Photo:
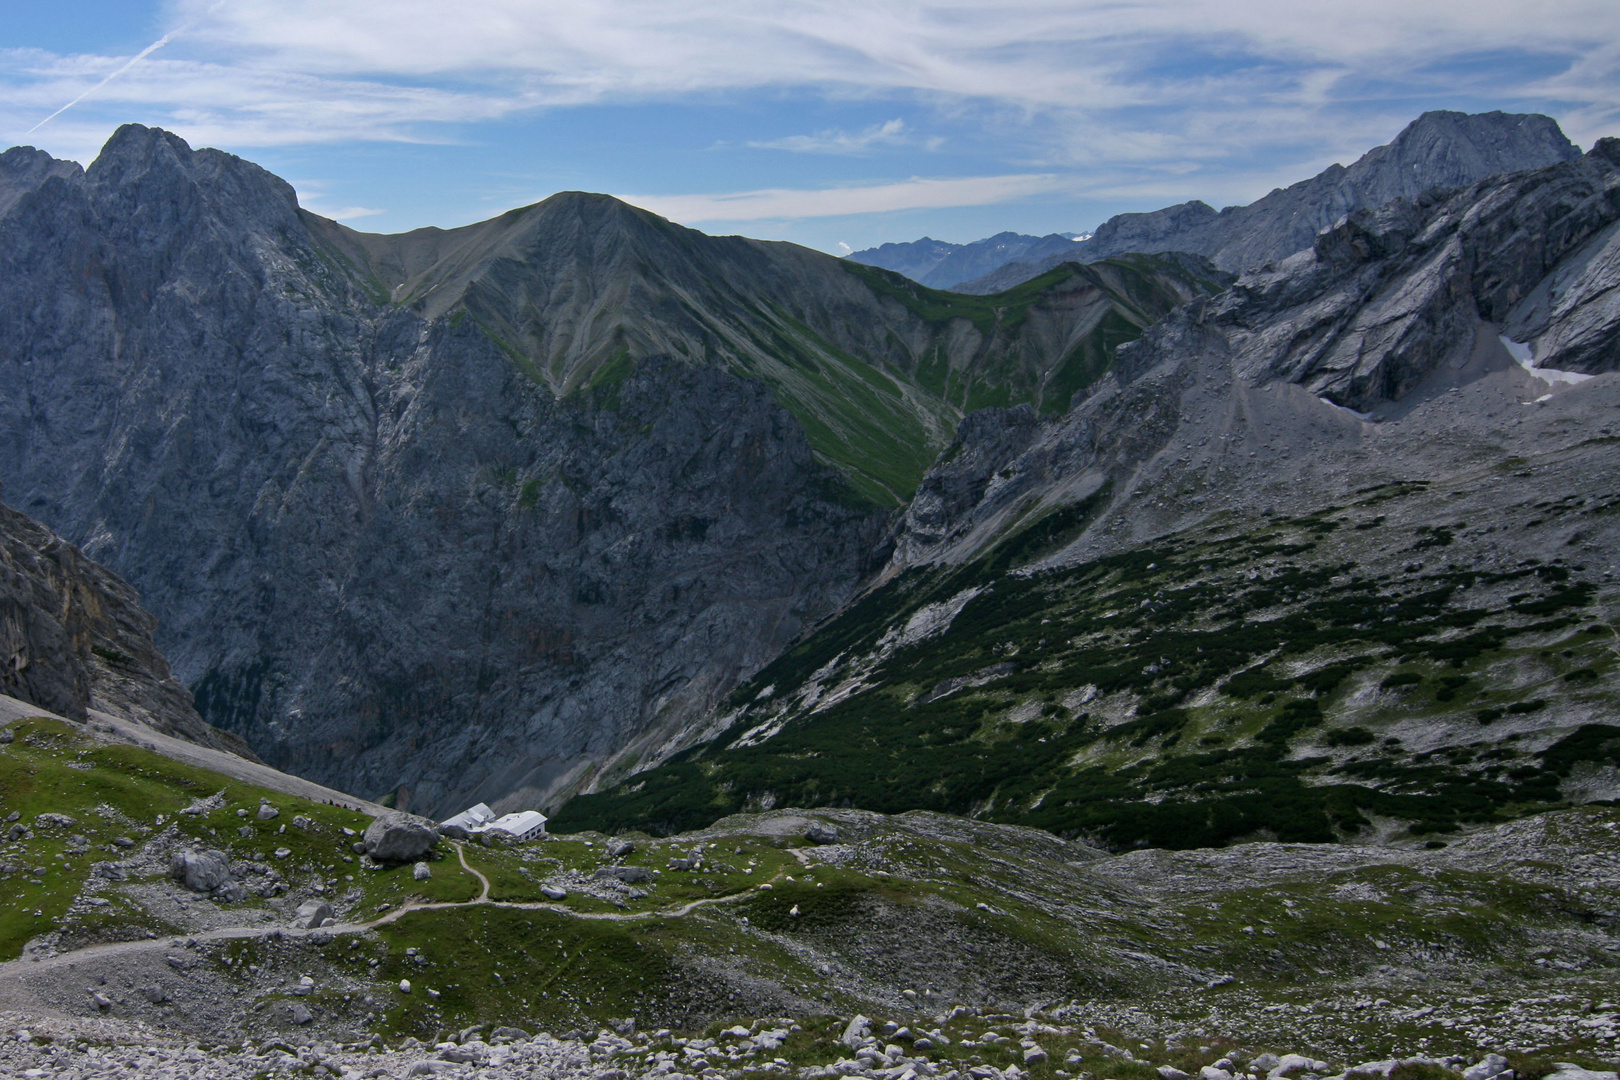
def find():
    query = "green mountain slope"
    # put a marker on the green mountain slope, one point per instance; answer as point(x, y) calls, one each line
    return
point(1245, 678)
point(579, 288)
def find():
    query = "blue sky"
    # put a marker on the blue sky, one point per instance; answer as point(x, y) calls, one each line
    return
point(825, 122)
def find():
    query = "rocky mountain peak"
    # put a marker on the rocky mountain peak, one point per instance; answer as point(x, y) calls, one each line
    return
point(153, 180)
point(23, 168)
point(1438, 151)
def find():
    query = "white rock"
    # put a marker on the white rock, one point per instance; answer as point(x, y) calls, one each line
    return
point(1569, 1071)
point(1488, 1066)
point(404, 986)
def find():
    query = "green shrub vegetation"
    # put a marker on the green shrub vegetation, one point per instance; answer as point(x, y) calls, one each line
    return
point(1169, 696)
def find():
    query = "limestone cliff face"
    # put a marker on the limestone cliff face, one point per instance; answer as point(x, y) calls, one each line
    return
point(73, 637)
point(383, 552)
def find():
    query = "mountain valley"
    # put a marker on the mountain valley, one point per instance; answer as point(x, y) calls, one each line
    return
point(1195, 659)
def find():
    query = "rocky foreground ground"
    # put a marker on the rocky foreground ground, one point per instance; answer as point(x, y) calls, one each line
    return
point(985, 1048)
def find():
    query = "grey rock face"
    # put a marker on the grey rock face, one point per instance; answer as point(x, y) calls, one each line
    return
point(395, 837)
point(73, 637)
point(23, 169)
point(1438, 150)
point(382, 551)
point(1385, 302)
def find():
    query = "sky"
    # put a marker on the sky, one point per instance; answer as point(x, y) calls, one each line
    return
point(840, 124)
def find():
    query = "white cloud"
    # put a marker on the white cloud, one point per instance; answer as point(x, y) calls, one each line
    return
point(343, 69)
point(779, 204)
point(891, 133)
point(1125, 98)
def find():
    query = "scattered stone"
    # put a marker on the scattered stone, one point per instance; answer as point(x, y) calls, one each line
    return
point(404, 986)
point(630, 875)
point(421, 871)
point(552, 892)
point(620, 846)
point(298, 1013)
point(1170, 1072)
point(266, 811)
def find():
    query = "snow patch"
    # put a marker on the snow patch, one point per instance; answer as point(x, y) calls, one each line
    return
point(1343, 408)
point(1525, 358)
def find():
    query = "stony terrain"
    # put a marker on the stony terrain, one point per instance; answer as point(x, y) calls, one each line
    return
point(762, 943)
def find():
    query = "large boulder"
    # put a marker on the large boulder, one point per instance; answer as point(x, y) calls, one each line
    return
point(819, 832)
point(312, 913)
point(630, 875)
point(200, 871)
point(396, 838)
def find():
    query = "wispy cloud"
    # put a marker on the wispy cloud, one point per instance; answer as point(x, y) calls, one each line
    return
point(109, 77)
point(1179, 95)
point(418, 63)
point(891, 133)
point(777, 204)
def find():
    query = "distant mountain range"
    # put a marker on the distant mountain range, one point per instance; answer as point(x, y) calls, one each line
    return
point(1437, 150)
point(942, 265)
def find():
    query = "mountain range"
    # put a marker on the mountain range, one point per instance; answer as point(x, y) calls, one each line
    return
point(471, 514)
point(577, 500)
point(1439, 149)
point(942, 265)
point(1333, 549)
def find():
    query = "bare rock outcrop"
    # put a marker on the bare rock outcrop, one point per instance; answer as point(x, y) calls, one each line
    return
point(73, 637)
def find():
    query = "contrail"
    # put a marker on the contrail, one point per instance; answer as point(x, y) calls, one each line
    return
point(137, 58)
